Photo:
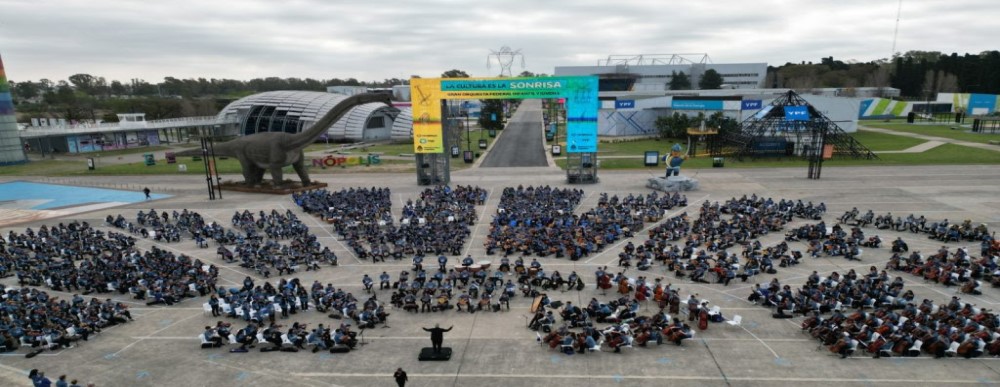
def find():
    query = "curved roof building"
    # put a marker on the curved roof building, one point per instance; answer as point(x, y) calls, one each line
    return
point(402, 126)
point(291, 111)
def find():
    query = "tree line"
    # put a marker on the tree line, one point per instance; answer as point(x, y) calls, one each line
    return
point(917, 74)
point(99, 87)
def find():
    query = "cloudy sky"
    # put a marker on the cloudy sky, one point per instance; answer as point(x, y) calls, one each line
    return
point(373, 40)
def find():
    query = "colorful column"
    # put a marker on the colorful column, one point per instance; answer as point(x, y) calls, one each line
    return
point(11, 148)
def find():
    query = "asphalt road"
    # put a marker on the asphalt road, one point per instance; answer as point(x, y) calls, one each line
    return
point(520, 144)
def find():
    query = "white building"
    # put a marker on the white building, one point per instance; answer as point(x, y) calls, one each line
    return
point(652, 73)
point(635, 91)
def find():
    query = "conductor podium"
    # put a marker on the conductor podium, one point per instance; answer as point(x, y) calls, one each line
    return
point(428, 354)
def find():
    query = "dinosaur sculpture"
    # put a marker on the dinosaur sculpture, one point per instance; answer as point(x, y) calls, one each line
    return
point(272, 151)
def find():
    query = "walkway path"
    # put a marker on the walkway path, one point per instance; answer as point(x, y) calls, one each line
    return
point(928, 138)
point(520, 143)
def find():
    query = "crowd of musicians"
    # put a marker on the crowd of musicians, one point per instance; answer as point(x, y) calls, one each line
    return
point(436, 223)
point(850, 312)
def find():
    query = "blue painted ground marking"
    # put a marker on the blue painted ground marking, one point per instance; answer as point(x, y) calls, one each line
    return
point(111, 356)
point(214, 356)
point(56, 195)
point(141, 375)
point(782, 361)
point(325, 356)
point(556, 359)
point(618, 378)
point(663, 360)
point(243, 375)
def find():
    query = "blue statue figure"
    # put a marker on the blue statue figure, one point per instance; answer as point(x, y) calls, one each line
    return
point(674, 160)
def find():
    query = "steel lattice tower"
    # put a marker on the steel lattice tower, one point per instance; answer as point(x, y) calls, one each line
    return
point(505, 57)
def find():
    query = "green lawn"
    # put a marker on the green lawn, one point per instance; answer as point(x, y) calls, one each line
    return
point(638, 147)
point(117, 152)
point(947, 154)
point(396, 148)
point(228, 166)
point(390, 149)
point(44, 168)
point(885, 142)
point(938, 131)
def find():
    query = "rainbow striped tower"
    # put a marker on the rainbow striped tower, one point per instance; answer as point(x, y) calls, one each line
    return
point(11, 151)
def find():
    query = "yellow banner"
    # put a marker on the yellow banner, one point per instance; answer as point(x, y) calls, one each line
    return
point(427, 133)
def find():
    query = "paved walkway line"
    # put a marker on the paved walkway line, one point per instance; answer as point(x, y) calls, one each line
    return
point(645, 377)
point(919, 148)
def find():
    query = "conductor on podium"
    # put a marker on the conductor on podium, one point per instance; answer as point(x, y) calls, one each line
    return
point(437, 336)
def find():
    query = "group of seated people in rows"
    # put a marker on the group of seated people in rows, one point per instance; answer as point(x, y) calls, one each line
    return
point(627, 326)
point(834, 242)
point(436, 223)
point(953, 329)
point(38, 379)
point(302, 250)
point(944, 230)
point(297, 337)
point(32, 318)
point(739, 221)
point(836, 292)
point(541, 221)
point(958, 268)
point(89, 261)
point(267, 302)
point(477, 290)
point(712, 232)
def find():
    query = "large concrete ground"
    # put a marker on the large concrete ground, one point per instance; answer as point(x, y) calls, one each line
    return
point(159, 348)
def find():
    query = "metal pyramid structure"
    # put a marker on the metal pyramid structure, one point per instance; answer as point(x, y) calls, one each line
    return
point(789, 127)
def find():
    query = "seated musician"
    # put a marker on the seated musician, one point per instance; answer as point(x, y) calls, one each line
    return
point(504, 264)
point(845, 347)
point(442, 303)
point(410, 303)
point(644, 264)
point(468, 261)
point(484, 302)
point(463, 300)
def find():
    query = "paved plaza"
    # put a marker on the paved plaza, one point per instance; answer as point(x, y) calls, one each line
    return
point(496, 349)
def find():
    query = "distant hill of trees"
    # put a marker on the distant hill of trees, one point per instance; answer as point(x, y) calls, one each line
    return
point(89, 97)
point(917, 74)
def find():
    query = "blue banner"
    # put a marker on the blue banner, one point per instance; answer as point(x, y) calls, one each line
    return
point(625, 104)
point(864, 107)
point(796, 113)
point(695, 105)
point(982, 103)
point(751, 104)
point(581, 112)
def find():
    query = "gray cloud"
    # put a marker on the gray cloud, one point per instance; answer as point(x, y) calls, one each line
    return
point(121, 39)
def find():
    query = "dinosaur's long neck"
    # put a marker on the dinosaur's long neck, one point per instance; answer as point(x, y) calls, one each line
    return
point(308, 136)
point(221, 149)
